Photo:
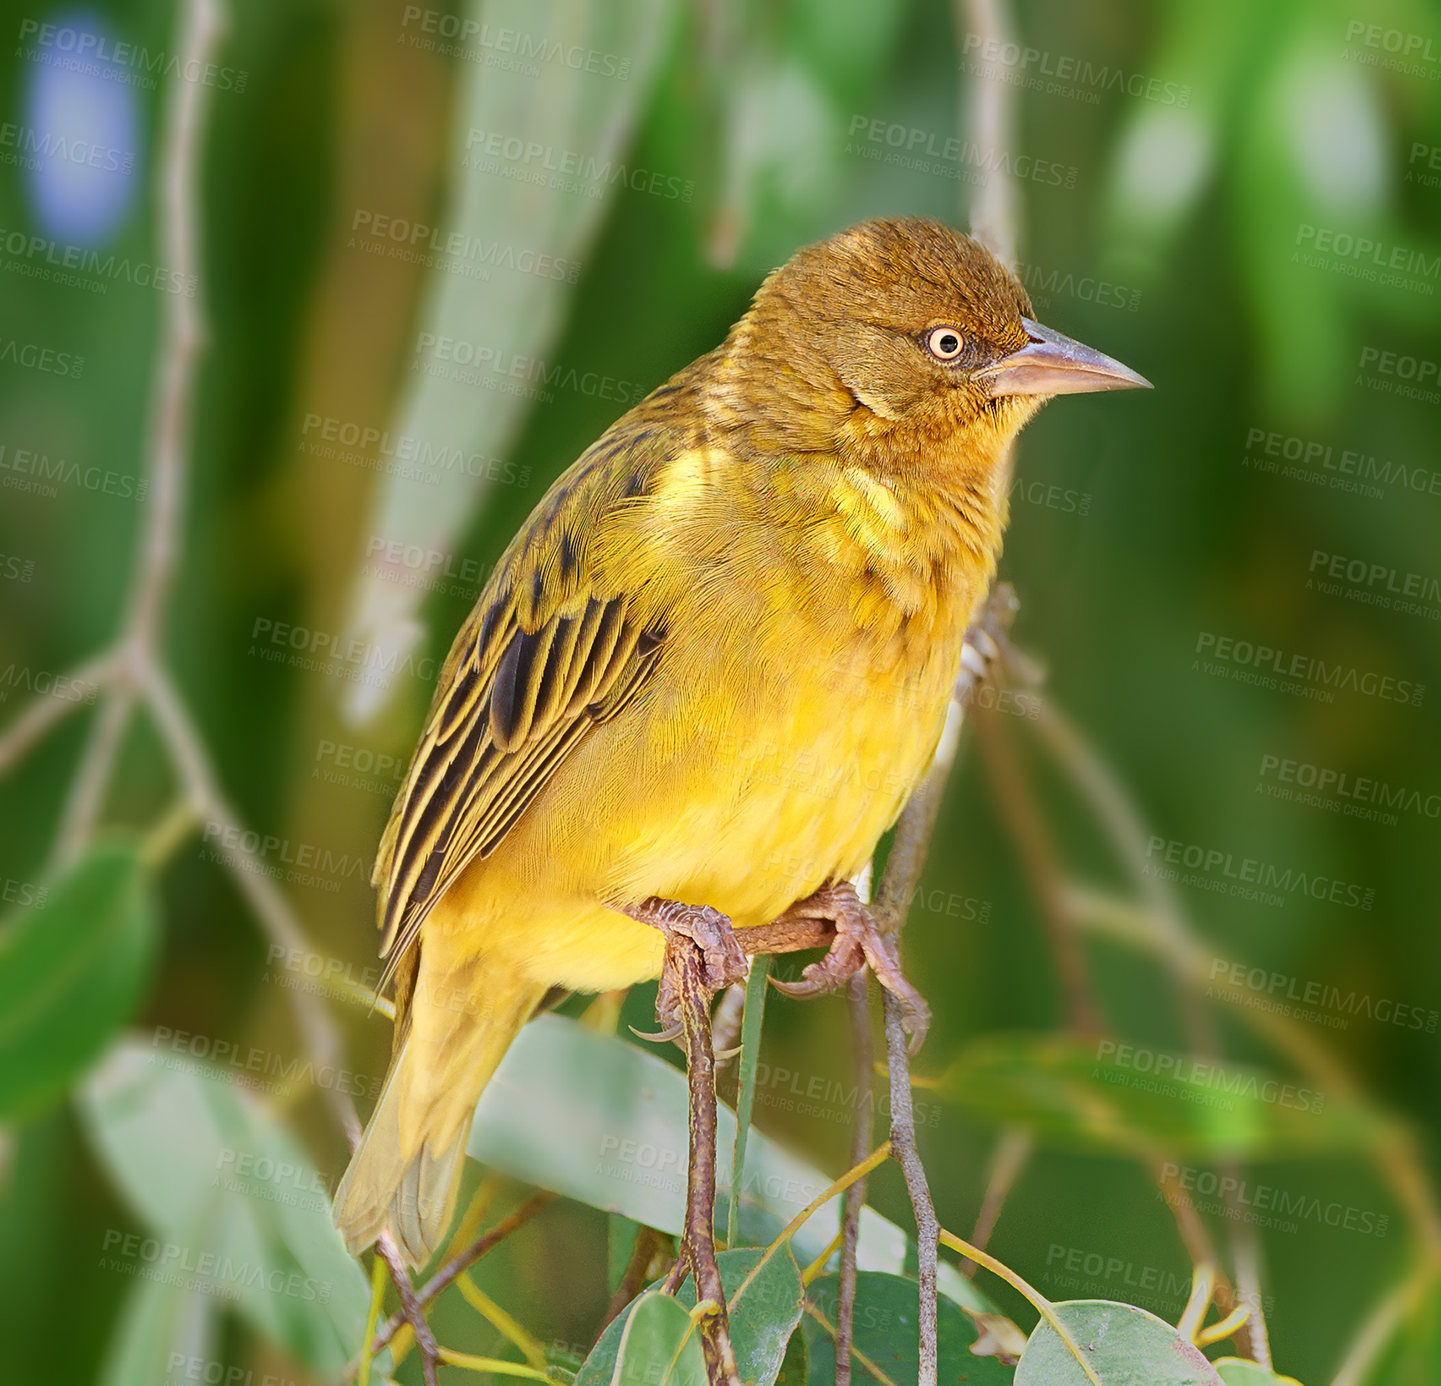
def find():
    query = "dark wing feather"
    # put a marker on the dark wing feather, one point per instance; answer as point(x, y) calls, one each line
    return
point(549, 652)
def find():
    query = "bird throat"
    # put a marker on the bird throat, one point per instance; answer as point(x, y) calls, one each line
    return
point(909, 549)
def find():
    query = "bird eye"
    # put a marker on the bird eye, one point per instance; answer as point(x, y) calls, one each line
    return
point(944, 343)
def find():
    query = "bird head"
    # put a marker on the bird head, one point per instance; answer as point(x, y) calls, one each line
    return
point(904, 333)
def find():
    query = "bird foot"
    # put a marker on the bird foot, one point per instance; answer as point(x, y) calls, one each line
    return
point(858, 942)
point(715, 947)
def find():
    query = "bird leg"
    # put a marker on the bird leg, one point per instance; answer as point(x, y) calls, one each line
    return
point(857, 941)
point(696, 929)
point(701, 956)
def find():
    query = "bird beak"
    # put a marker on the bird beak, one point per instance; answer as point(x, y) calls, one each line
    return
point(1050, 364)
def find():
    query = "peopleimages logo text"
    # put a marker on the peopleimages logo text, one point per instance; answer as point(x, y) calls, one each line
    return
point(1340, 784)
point(1267, 660)
point(1202, 1075)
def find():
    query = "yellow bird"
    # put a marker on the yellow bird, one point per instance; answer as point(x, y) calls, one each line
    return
point(710, 668)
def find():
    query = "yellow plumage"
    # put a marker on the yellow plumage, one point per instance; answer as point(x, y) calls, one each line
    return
point(711, 667)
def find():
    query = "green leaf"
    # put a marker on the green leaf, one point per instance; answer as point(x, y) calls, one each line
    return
point(763, 1299)
point(1234, 1371)
point(71, 973)
point(1134, 1099)
point(605, 1122)
point(1123, 1345)
point(885, 1323)
point(651, 1344)
point(159, 1318)
point(233, 1204)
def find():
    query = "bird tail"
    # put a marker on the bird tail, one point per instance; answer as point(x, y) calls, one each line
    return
point(405, 1173)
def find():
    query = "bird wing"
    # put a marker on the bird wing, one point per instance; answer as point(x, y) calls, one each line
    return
point(559, 642)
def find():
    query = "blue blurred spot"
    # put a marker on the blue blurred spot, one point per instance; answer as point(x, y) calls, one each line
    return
point(78, 141)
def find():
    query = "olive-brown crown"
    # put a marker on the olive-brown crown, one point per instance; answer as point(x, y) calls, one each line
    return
point(852, 323)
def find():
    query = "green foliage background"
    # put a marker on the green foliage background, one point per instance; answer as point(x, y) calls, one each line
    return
point(1193, 214)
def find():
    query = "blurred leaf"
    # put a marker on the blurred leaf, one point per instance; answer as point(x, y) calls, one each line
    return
point(1124, 1346)
point(602, 1121)
point(234, 1203)
point(1067, 1091)
point(158, 1318)
point(1236, 1372)
point(764, 1308)
point(651, 1343)
point(71, 973)
point(508, 322)
point(787, 86)
point(1165, 152)
point(886, 1318)
point(1412, 1354)
point(781, 159)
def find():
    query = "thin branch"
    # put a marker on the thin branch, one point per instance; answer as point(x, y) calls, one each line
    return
point(452, 1268)
point(92, 776)
point(182, 338)
point(858, 994)
point(874, 1368)
point(172, 405)
point(698, 1244)
point(47, 712)
point(410, 1308)
point(903, 1146)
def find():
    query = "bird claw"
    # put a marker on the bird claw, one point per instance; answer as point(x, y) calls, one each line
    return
point(720, 959)
point(821, 978)
point(858, 943)
point(671, 1032)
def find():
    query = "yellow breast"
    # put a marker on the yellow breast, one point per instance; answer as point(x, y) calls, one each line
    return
point(797, 704)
